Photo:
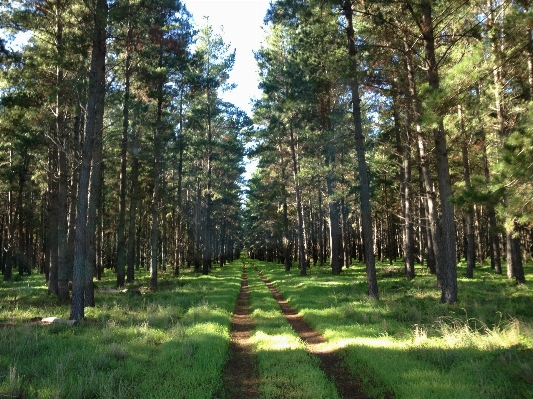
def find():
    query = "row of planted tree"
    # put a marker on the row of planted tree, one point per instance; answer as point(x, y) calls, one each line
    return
point(395, 128)
point(116, 148)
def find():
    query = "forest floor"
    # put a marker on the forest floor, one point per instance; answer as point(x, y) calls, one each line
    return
point(241, 377)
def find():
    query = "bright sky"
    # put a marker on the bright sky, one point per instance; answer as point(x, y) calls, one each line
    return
point(240, 22)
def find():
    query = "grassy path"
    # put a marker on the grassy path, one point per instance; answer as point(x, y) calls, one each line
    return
point(241, 375)
point(348, 386)
point(240, 372)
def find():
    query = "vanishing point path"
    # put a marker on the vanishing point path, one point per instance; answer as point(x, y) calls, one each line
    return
point(241, 377)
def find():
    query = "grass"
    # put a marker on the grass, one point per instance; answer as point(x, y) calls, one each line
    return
point(286, 369)
point(168, 344)
point(407, 342)
point(173, 343)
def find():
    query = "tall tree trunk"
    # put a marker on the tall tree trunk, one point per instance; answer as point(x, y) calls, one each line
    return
point(154, 234)
point(52, 231)
point(207, 250)
point(62, 219)
point(95, 112)
point(334, 210)
point(302, 240)
point(447, 251)
point(179, 228)
point(512, 236)
point(78, 127)
point(286, 241)
point(121, 239)
point(132, 228)
point(62, 185)
point(366, 214)
point(404, 175)
point(469, 211)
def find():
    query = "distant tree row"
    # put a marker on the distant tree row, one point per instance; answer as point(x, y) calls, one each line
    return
point(396, 129)
point(116, 148)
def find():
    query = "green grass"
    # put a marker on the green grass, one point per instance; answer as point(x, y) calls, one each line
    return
point(168, 344)
point(286, 369)
point(407, 342)
point(173, 343)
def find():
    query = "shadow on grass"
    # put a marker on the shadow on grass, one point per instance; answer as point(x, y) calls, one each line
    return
point(168, 344)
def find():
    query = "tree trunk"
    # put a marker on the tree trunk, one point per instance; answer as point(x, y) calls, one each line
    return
point(404, 175)
point(179, 222)
point(78, 127)
point(95, 111)
point(62, 185)
point(515, 267)
point(132, 229)
point(52, 231)
point(366, 214)
point(121, 233)
point(302, 241)
point(334, 222)
point(154, 210)
point(469, 212)
point(447, 251)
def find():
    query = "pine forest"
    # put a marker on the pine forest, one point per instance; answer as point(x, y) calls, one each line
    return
point(393, 139)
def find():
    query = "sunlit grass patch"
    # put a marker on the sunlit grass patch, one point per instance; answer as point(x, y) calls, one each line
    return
point(286, 369)
point(410, 343)
point(170, 343)
point(277, 342)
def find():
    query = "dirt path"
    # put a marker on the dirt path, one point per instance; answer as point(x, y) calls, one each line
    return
point(240, 374)
point(348, 386)
point(241, 377)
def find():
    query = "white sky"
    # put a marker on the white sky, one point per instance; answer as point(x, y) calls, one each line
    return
point(240, 22)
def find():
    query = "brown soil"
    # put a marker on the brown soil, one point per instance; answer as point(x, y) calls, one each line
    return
point(240, 374)
point(348, 386)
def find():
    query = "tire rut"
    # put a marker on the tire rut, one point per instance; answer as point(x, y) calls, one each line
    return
point(240, 377)
point(348, 385)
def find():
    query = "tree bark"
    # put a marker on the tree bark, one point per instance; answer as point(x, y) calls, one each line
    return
point(121, 233)
point(469, 212)
point(132, 228)
point(366, 214)
point(404, 175)
point(447, 266)
point(302, 240)
point(154, 210)
point(95, 111)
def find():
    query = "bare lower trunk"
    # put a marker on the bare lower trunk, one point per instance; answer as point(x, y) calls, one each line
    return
point(121, 233)
point(302, 250)
point(52, 226)
point(447, 249)
point(404, 175)
point(469, 208)
point(334, 228)
point(95, 111)
point(133, 218)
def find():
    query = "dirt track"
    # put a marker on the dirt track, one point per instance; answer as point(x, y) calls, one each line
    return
point(241, 377)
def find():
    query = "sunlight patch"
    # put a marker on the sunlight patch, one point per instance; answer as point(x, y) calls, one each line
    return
point(277, 342)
